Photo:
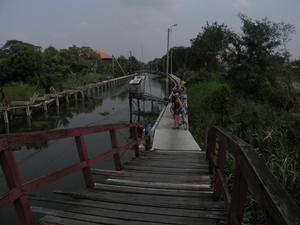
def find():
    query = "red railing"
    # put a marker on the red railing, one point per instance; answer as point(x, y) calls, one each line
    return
point(250, 173)
point(18, 191)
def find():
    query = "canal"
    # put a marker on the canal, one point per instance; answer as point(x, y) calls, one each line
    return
point(40, 159)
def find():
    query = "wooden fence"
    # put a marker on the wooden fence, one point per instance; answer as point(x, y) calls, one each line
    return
point(18, 191)
point(250, 173)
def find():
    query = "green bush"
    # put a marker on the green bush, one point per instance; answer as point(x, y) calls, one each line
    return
point(208, 102)
point(18, 91)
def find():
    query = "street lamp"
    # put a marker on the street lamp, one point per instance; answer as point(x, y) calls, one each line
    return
point(167, 69)
point(130, 62)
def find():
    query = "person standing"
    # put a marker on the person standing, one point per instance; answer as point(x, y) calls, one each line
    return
point(182, 85)
point(173, 97)
point(95, 80)
point(177, 108)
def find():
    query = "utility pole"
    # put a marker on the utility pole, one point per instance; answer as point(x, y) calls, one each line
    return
point(168, 40)
point(130, 64)
point(171, 62)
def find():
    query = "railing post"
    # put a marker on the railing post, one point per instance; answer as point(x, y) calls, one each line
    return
point(148, 143)
point(238, 196)
point(87, 173)
point(135, 137)
point(205, 141)
point(220, 165)
point(13, 180)
point(211, 150)
point(114, 144)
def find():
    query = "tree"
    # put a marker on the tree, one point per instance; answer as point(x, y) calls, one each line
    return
point(207, 48)
point(81, 60)
point(254, 58)
point(285, 34)
point(23, 62)
point(55, 68)
point(179, 58)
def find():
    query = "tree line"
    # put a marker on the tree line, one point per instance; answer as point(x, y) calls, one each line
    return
point(27, 63)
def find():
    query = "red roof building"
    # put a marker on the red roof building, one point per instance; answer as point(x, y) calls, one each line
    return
point(107, 59)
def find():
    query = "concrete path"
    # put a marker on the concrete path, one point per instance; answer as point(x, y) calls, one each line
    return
point(165, 138)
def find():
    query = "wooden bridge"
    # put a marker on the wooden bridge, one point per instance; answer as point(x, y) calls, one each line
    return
point(174, 183)
point(41, 102)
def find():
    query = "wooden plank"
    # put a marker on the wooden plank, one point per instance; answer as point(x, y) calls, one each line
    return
point(175, 159)
point(54, 220)
point(142, 217)
point(170, 178)
point(172, 170)
point(148, 200)
point(165, 164)
point(169, 185)
point(218, 214)
point(154, 191)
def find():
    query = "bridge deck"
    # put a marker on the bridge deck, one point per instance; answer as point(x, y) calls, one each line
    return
point(159, 187)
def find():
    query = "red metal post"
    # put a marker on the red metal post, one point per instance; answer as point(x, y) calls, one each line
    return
point(13, 180)
point(114, 144)
point(211, 149)
point(205, 141)
point(135, 137)
point(220, 165)
point(148, 143)
point(238, 196)
point(83, 156)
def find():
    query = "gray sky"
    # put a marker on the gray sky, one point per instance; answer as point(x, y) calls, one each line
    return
point(117, 27)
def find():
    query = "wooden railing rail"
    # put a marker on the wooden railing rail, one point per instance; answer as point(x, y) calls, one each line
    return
point(250, 173)
point(18, 190)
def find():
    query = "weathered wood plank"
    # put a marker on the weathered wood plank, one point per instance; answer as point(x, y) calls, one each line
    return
point(153, 191)
point(170, 185)
point(204, 203)
point(137, 187)
point(174, 159)
point(166, 164)
point(218, 214)
point(169, 178)
point(141, 217)
point(171, 170)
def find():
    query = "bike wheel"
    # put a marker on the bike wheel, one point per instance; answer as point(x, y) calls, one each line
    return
point(185, 106)
point(184, 124)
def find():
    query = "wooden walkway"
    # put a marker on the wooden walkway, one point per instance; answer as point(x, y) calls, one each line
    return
point(37, 103)
point(159, 187)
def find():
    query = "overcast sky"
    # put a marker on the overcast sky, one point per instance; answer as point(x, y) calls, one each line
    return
point(117, 27)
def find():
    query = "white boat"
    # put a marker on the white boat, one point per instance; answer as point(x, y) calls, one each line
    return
point(137, 80)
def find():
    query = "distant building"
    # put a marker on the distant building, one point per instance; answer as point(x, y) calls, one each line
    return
point(107, 59)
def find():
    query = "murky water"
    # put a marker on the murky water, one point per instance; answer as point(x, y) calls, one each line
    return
point(41, 159)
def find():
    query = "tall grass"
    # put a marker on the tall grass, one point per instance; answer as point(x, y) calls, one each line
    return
point(270, 129)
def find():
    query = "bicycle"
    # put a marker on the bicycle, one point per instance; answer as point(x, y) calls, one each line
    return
point(182, 115)
point(184, 103)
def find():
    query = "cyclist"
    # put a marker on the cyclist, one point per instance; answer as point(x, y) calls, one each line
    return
point(173, 97)
point(177, 108)
point(182, 85)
